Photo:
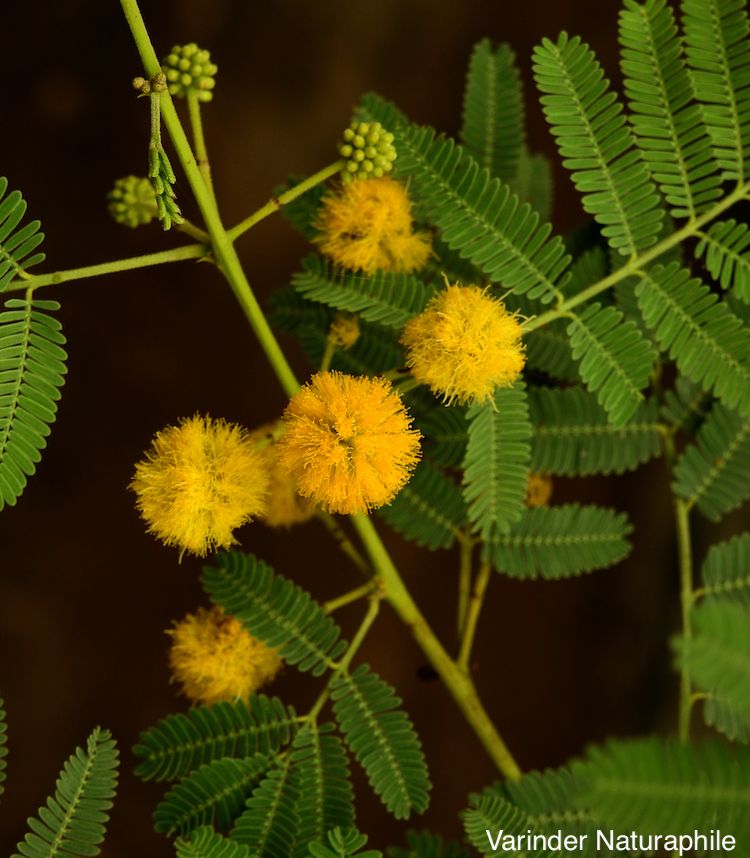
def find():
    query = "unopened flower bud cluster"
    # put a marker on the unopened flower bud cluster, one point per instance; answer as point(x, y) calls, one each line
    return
point(189, 70)
point(368, 149)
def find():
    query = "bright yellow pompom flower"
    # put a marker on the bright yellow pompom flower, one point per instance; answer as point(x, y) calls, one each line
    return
point(199, 482)
point(348, 441)
point(367, 226)
point(214, 657)
point(464, 344)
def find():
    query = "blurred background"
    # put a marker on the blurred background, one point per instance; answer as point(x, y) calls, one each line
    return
point(85, 594)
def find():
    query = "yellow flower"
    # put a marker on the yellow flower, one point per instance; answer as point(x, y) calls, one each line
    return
point(464, 344)
point(198, 482)
point(348, 441)
point(538, 490)
point(344, 331)
point(367, 226)
point(284, 504)
point(214, 657)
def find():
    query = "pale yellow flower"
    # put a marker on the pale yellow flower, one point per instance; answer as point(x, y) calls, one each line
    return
point(464, 345)
point(538, 490)
point(367, 226)
point(199, 482)
point(214, 657)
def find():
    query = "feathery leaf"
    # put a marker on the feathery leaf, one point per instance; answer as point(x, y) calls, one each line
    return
point(595, 142)
point(561, 541)
point(615, 359)
point(496, 464)
point(213, 794)
point(493, 130)
point(718, 52)
point(204, 842)
point(724, 246)
point(73, 821)
point(712, 474)
point(428, 510)
point(710, 345)
point(32, 369)
point(274, 610)
point(667, 123)
point(383, 740)
point(573, 437)
point(726, 570)
point(17, 246)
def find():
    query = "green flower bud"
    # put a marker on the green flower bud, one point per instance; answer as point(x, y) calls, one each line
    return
point(132, 201)
point(368, 150)
point(189, 70)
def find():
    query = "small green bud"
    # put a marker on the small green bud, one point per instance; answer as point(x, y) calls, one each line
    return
point(189, 69)
point(132, 201)
point(368, 150)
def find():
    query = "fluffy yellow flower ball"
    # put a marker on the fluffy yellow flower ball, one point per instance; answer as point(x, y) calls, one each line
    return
point(367, 226)
point(348, 441)
point(214, 657)
point(198, 482)
point(464, 344)
point(284, 504)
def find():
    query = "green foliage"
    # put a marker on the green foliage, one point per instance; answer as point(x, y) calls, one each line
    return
point(480, 217)
point(382, 738)
point(387, 298)
point(717, 656)
point(204, 842)
point(213, 794)
point(667, 123)
point(596, 144)
point(492, 130)
point(16, 245)
point(724, 247)
point(684, 404)
point(344, 843)
point(548, 351)
point(444, 429)
point(533, 183)
point(302, 211)
point(665, 787)
point(375, 351)
point(709, 344)
point(543, 802)
point(615, 359)
point(712, 474)
point(496, 464)
point(270, 823)
point(326, 797)
point(425, 844)
point(428, 510)
point(32, 369)
point(726, 570)
point(718, 54)
point(573, 437)
point(73, 821)
point(559, 541)
point(3, 745)
point(182, 742)
point(274, 610)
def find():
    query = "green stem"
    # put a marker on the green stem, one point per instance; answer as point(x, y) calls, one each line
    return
point(179, 254)
point(347, 598)
point(457, 682)
point(325, 363)
point(472, 614)
point(224, 251)
point(199, 141)
point(344, 543)
point(682, 517)
point(637, 263)
point(464, 581)
point(276, 203)
point(343, 665)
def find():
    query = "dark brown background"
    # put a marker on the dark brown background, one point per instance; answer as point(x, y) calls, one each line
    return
point(84, 594)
